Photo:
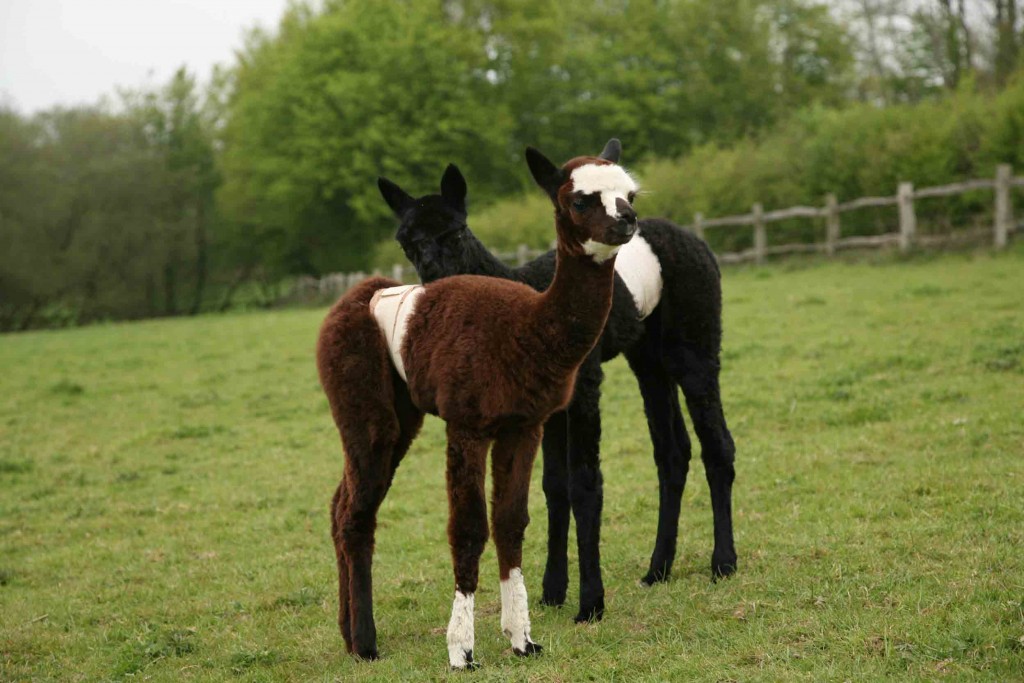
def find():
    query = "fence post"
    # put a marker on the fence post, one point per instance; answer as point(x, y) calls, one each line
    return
point(831, 223)
point(522, 254)
point(698, 225)
point(760, 238)
point(908, 220)
point(398, 272)
point(1004, 207)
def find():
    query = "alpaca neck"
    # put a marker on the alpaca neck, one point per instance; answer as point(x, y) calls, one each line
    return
point(576, 305)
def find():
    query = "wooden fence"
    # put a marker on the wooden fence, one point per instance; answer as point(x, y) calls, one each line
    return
point(905, 238)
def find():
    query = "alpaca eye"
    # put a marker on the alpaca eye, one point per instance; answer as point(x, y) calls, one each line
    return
point(631, 197)
point(580, 204)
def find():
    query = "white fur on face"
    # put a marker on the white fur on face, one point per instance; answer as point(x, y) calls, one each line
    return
point(640, 269)
point(460, 630)
point(515, 614)
point(610, 181)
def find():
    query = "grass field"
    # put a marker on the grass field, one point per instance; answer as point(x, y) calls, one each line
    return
point(164, 490)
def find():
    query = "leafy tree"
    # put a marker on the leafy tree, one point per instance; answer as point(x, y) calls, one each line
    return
point(337, 98)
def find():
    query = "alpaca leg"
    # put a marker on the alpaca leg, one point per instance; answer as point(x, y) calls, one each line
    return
point(556, 493)
point(586, 490)
point(357, 521)
point(370, 469)
point(671, 454)
point(513, 456)
point(697, 374)
point(467, 535)
point(338, 503)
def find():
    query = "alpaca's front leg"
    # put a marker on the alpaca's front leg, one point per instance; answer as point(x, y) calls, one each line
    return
point(586, 493)
point(556, 494)
point(515, 614)
point(513, 456)
point(461, 632)
point(467, 534)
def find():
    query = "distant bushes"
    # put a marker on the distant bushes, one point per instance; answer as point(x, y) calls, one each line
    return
point(857, 151)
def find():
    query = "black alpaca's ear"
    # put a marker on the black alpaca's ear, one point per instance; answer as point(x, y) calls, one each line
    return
point(453, 188)
point(398, 199)
point(545, 173)
point(612, 151)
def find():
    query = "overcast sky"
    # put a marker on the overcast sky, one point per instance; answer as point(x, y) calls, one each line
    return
point(73, 51)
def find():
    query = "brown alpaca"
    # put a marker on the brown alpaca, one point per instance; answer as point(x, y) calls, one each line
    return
point(494, 359)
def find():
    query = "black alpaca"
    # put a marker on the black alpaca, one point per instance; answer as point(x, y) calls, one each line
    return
point(676, 344)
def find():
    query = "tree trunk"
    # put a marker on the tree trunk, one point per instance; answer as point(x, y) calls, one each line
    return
point(229, 295)
point(1007, 43)
point(201, 257)
point(170, 284)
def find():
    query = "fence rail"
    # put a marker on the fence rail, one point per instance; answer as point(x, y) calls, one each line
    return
point(905, 238)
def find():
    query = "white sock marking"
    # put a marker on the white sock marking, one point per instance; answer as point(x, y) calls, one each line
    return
point(640, 269)
point(515, 614)
point(460, 630)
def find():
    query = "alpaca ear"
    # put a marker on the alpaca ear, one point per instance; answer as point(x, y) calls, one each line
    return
point(612, 151)
point(398, 199)
point(453, 188)
point(545, 173)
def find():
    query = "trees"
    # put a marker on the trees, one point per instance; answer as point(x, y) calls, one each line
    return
point(339, 96)
point(105, 212)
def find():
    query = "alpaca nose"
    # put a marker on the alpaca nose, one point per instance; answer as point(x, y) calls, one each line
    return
point(626, 212)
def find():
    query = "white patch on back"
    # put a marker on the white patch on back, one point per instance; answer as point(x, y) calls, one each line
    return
point(515, 613)
point(392, 307)
point(640, 269)
point(611, 181)
point(599, 251)
point(460, 630)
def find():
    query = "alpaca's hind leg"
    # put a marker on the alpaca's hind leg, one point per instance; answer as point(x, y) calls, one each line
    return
point(586, 492)
point(370, 469)
point(512, 457)
point(467, 535)
point(338, 503)
point(357, 521)
point(556, 494)
point(671, 454)
point(697, 374)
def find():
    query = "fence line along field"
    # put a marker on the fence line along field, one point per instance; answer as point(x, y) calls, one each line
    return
point(164, 489)
point(906, 237)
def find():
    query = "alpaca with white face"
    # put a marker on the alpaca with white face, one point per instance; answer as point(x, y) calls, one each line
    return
point(494, 359)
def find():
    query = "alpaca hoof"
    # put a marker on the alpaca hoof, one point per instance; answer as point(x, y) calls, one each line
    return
point(553, 592)
point(368, 654)
point(723, 569)
point(553, 599)
point(653, 577)
point(470, 665)
point(590, 614)
point(532, 650)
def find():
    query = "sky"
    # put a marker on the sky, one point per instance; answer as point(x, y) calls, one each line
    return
point(73, 51)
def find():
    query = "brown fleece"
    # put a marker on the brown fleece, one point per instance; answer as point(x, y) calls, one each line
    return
point(494, 359)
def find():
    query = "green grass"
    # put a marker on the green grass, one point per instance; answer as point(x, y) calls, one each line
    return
point(164, 490)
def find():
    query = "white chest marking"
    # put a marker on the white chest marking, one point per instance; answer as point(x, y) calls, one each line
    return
point(610, 181)
point(392, 307)
point(460, 631)
point(515, 613)
point(599, 251)
point(640, 269)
